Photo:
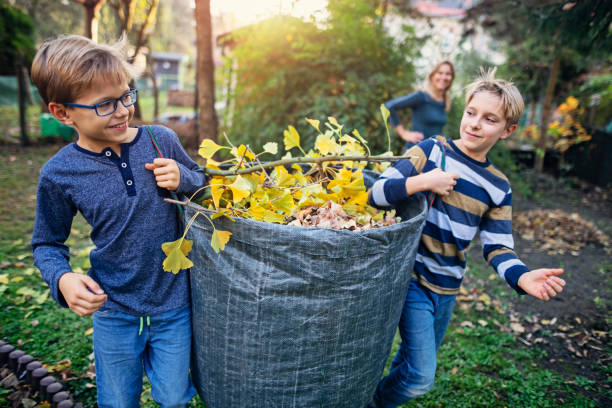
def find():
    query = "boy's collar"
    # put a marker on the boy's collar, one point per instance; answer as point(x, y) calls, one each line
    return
point(452, 144)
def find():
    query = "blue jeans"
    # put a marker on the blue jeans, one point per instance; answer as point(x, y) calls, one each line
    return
point(122, 348)
point(422, 327)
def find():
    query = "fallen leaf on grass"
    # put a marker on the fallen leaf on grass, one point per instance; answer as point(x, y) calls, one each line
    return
point(88, 332)
point(517, 328)
point(28, 403)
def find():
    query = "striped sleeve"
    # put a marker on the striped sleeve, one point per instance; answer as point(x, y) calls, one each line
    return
point(390, 187)
point(498, 244)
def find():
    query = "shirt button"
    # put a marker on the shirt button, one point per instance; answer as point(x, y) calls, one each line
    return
point(124, 165)
point(129, 182)
point(108, 153)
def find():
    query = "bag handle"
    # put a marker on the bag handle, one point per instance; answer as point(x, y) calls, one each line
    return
point(432, 195)
point(159, 154)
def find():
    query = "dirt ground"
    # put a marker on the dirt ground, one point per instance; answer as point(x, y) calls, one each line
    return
point(574, 327)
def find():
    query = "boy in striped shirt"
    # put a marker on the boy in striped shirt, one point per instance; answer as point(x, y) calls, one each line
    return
point(472, 195)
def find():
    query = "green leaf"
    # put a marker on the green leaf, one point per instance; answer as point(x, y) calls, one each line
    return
point(176, 255)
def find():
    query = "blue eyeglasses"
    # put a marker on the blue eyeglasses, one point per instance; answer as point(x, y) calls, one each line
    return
point(109, 106)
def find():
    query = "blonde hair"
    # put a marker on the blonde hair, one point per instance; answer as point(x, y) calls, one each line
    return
point(511, 99)
point(67, 65)
point(429, 86)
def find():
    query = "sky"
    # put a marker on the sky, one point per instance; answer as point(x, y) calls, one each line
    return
point(250, 11)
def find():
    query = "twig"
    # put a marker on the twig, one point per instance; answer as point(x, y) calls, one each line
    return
point(184, 203)
point(214, 172)
point(228, 141)
point(262, 167)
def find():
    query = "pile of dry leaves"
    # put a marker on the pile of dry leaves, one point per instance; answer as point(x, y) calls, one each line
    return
point(557, 232)
point(331, 215)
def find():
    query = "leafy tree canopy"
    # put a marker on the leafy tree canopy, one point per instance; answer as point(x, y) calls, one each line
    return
point(583, 25)
point(288, 69)
point(16, 37)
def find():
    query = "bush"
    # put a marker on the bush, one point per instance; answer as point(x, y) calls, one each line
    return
point(288, 69)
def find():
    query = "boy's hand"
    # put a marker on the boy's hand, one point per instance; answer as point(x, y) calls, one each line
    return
point(439, 181)
point(542, 283)
point(83, 295)
point(167, 173)
point(409, 136)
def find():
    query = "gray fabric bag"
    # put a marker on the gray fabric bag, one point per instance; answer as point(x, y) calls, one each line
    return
point(297, 317)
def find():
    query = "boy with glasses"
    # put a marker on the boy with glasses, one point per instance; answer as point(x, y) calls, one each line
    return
point(113, 177)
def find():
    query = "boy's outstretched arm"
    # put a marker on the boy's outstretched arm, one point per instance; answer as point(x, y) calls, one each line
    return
point(83, 295)
point(542, 283)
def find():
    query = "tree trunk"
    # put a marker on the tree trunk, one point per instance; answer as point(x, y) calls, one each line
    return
point(207, 126)
point(21, 81)
point(92, 9)
point(543, 142)
point(151, 74)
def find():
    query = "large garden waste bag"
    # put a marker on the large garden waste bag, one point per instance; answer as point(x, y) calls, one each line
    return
point(297, 317)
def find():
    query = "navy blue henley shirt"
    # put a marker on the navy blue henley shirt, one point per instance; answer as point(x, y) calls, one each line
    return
point(130, 220)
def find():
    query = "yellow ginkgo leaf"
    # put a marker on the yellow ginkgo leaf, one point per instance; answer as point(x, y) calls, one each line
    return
point(283, 178)
point(314, 123)
point(222, 212)
point(211, 164)
point(326, 145)
point(208, 148)
point(358, 136)
point(284, 203)
point(271, 147)
point(257, 212)
point(241, 189)
point(216, 189)
point(334, 122)
point(291, 138)
point(4, 279)
point(176, 255)
point(219, 239)
point(271, 216)
point(360, 199)
point(244, 151)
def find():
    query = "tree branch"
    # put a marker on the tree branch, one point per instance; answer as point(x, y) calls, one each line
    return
point(214, 172)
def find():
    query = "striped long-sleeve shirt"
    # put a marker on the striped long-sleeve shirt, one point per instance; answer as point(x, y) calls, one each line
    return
point(481, 201)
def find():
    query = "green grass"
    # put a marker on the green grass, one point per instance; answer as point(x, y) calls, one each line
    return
point(478, 366)
point(482, 366)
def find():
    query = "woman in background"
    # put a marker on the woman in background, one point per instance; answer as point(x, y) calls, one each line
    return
point(429, 107)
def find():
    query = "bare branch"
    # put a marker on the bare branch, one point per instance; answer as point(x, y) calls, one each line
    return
point(214, 172)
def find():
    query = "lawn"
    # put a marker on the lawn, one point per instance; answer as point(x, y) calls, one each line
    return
point(491, 356)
